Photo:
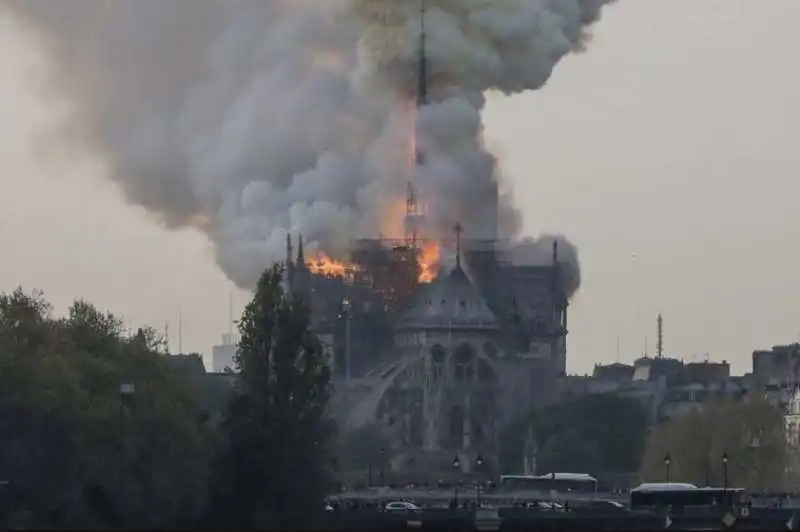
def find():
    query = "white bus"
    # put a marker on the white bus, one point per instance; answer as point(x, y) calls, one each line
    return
point(559, 482)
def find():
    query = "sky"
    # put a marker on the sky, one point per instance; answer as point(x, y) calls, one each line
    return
point(668, 152)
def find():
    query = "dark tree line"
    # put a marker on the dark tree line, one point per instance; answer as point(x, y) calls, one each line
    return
point(98, 430)
point(597, 433)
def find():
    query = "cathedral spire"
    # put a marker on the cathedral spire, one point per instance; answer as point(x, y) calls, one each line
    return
point(422, 64)
point(288, 248)
point(301, 255)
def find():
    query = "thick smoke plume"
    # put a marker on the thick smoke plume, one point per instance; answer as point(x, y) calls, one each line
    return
point(250, 118)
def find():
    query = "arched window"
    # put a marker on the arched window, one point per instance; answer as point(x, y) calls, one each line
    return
point(438, 354)
point(464, 354)
point(464, 357)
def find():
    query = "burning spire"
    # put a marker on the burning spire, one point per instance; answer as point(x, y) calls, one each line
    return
point(414, 218)
point(299, 131)
point(422, 76)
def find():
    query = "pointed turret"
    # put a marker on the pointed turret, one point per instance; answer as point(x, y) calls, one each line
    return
point(301, 256)
point(458, 229)
point(288, 267)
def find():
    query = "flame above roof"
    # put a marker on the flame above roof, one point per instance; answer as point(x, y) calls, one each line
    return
point(450, 301)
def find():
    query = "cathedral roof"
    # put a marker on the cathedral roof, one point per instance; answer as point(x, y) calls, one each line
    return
point(450, 301)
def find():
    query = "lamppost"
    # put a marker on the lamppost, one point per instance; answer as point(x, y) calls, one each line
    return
point(346, 310)
point(456, 467)
point(667, 462)
point(725, 469)
point(478, 467)
point(383, 465)
point(126, 391)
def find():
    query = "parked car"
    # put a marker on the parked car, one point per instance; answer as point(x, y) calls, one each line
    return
point(402, 506)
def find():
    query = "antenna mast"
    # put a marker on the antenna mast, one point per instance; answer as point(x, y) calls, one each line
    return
point(230, 316)
point(180, 330)
point(660, 333)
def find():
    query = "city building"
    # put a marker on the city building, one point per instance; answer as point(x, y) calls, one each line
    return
point(222, 355)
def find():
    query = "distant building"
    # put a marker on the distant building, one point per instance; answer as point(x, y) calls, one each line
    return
point(222, 356)
point(777, 368)
point(613, 372)
point(664, 386)
point(792, 420)
point(189, 365)
point(707, 372)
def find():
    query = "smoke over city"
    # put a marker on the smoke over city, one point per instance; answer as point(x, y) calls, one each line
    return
point(246, 119)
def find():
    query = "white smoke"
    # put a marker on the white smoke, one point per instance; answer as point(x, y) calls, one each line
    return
point(250, 118)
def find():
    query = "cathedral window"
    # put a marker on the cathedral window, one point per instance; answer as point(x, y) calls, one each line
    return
point(464, 353)
point(464, 357)
point(438, 354)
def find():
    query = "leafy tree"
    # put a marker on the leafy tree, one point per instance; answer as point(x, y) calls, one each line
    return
point(614, 427)
point(751, 432)
point(272, 467)
point(569, 452)
point(75, 452)
point(363, 448)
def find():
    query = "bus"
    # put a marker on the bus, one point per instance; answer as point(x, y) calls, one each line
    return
point(659, 495)
point(559, 482)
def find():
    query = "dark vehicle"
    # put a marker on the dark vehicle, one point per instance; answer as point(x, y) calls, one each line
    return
point(683, 495)
point(560, 482)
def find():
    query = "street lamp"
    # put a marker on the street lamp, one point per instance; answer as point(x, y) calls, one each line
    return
point(478, 467)
point(456, 467)
point(725, 469)
point(346, 310)
point(667, 462)
point(126, 391)
point(383, 465)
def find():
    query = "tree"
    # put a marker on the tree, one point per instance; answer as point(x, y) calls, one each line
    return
point(74, 451)
point(569, 452)
point(614, 428)
point(273, 465)
point(750, 432)
point(363, 449)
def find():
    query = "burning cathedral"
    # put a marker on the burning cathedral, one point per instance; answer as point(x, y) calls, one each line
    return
point(339, 121)
point(439, 340)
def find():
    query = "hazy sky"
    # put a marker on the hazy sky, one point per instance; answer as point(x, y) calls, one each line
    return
point(669, 153)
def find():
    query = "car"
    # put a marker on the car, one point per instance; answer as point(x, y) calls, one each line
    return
point(402, 506)
point(600, 505)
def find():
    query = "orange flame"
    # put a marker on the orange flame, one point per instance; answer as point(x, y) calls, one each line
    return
point(429, 256)
point(323, 265)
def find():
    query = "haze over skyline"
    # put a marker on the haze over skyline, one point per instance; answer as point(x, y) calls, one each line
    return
point(665, 153)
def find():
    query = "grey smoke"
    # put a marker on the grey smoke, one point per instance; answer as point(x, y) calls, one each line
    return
point(540, 251)
point(249, 118)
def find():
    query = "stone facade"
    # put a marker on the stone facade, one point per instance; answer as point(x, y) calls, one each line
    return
point(452, 381)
